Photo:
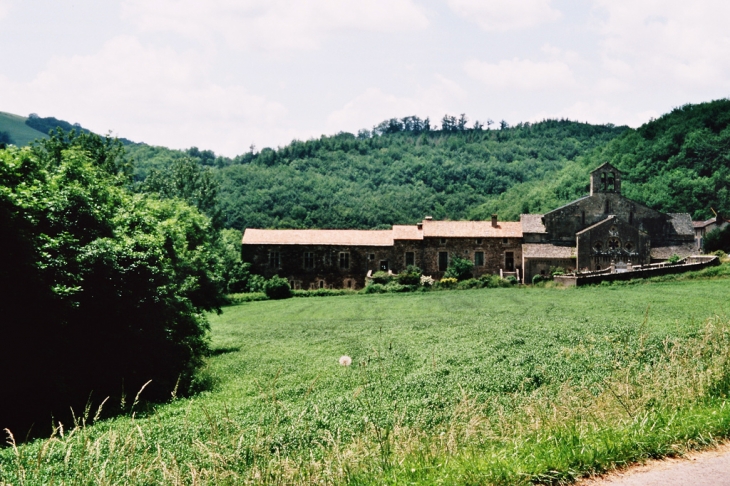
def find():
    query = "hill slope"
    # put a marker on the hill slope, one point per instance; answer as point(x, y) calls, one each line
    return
point(20, 133)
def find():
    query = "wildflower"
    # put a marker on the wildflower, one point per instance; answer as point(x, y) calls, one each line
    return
point(345, 360)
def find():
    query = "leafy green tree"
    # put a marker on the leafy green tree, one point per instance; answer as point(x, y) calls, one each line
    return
point(103, 289)
point(459, 268)
point(718, 239)
point(185, 179)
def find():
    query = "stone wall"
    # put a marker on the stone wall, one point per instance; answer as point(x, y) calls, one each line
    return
point(694, 263)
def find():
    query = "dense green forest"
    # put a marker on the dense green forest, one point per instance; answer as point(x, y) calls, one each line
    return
point(406, 169)
point(393, 175)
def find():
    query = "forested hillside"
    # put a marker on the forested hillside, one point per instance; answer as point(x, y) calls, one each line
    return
point(396, 175)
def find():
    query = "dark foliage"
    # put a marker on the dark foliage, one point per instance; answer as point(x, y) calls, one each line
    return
point(459, 268)
point(50, 124)
point(102, 289)
point(277, 288)
point(718, 239)
point(5, 140)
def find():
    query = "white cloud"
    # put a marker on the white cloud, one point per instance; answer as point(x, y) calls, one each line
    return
point(685, 45)
point(273, 24)
point(521, 74)
point(4, 8)
point(599, 111)
point(503, 15)
point(152, 95)
point(373, 106)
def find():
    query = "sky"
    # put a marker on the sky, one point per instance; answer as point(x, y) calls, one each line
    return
point(225, 75)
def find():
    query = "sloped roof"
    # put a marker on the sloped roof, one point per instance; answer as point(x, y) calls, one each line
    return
point(253, 236)
point(682, 223)
point(540, 250)
point(532, 223)
point(665, 252)
point(471, 229)
point(604, 165)
point(404, 232)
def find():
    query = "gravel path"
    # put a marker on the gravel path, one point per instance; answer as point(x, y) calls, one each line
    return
point(707, 468)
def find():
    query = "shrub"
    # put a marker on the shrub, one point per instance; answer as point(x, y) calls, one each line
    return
point(382, 278)
point(240, 298)
point(556, 271)
point(322, 292)
point(512, 280)
point(718, 239)
point(277, 288)
point(396, 287)
point(447, 283)
point(426, 281)
point(410, 276)
point(470, 283)
point(459, 269)
point(375, 288)
point(674, 259)
point(536, 279)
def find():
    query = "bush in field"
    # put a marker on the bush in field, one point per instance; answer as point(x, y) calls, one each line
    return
point(426, 281)
point(113, 286)
point(718, 239)
point(512, 280)
point(382, 278)
point(277, 288)
point(471, 283)
point(375, 288)
point(674, 259)
point(459, 268)
point(536, 279)
point(447, 283)
point(410, 276)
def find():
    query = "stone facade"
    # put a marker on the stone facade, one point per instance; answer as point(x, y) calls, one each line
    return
point(605, 227)
point(589, 233)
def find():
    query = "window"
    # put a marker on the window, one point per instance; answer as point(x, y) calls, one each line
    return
point(478, 258)
point(443, 261)
point(611, 182)
point(509, 261)
point(631, 217)
point(344, 260)
point(410, 258)
point(505, 241)
point(274, 259)
point(583, 218)
point(443, 241)
point(603, 181)
point(607, 209)
point(384, 265)
point(295, 284)
point(308, 259)
point(598, 246)
point(614, 243)
point(321, 284)
point(371, 256)
point(629, 246)
point(479, 242)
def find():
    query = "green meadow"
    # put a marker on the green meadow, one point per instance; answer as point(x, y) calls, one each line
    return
point(487, 386)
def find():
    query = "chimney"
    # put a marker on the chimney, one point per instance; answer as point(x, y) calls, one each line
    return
point(419, 226)
point(494, 220)
point(428, 218)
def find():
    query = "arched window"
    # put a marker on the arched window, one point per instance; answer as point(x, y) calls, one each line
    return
point(603, 181)
point(607, 209)
point(611, 182)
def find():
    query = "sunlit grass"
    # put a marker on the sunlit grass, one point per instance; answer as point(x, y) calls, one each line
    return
point(498, 386)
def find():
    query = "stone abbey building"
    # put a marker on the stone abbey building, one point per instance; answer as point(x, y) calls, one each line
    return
point(587, 234)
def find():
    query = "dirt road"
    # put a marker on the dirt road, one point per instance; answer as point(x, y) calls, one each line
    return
point(708, 468)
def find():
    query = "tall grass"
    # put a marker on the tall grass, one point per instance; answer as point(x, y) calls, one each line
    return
point(502, 386)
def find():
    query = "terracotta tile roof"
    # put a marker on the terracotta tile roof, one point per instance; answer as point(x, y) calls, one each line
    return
point(537, 250)
point(701, 224)
point(682, 223)
point(664, 252)
point(471, 229)
point(403, 232)
point(318, 237)
point(532, 223)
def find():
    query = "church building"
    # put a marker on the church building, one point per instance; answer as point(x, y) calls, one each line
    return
point(588, 234)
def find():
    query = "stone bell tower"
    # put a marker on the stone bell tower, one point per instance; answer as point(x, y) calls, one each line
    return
point(605, 179)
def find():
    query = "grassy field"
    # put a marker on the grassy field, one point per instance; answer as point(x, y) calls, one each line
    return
point(15, 126)
point(504, 386)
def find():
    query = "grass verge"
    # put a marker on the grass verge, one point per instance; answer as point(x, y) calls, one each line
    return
point(501, 386)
